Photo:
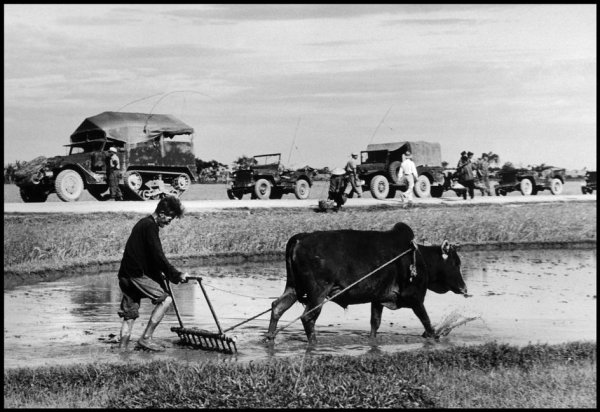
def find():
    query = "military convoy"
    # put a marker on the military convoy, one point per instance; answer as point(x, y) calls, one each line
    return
point(267, 178)
point(155, 151)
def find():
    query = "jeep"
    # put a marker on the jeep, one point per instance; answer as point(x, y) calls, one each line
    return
point(380, 164)
point(530, 181)
point(266, 178)
point(155, 151)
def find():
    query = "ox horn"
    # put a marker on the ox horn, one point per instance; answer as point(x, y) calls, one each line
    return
point(445, 249)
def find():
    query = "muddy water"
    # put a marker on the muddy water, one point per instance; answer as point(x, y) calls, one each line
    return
point(518, 297)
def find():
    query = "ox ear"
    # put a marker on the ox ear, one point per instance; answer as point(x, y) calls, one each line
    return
point(445, 249)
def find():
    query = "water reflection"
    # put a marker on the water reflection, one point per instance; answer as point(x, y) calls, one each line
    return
point(521, 297)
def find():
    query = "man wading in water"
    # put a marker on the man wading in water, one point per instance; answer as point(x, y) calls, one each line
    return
point(141, 272)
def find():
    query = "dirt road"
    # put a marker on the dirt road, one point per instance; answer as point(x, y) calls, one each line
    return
point(212, 205)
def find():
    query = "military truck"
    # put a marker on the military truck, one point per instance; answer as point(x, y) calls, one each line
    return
point(380, 164)
point(530, 181)
point(267, 178)
point(155, 151)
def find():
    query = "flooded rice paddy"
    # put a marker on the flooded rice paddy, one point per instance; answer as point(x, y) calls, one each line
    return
point(516, 297)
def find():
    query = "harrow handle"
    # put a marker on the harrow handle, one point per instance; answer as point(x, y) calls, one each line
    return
point(199, 280)
point(174, 304)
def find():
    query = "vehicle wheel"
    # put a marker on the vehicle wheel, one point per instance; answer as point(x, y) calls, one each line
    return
point(33, 194)
point(392, 193)
point(556, 186)
point(262, 189)
point(422, 187)
point(393, 170)
point(380, 187)
point(182, 182)
point(526, 187)
point(68, 185)
point(302, 189)
point(134, 181)
point(97, 192)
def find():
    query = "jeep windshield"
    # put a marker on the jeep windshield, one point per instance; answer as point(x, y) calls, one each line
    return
point(268, 159)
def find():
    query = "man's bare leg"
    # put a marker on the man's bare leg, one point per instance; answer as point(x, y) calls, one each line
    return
point(126, 328)
point(157, 315)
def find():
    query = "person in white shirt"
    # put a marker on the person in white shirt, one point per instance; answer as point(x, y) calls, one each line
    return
point(408, 173)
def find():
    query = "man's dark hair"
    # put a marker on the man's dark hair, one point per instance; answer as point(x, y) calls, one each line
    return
point(170, 205)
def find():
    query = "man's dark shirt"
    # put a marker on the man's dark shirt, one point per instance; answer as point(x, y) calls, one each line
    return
point(144, 255)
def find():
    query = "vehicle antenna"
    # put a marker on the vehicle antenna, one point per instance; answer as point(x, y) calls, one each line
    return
point(168, 94)
point(293, 141)
point(382, 120)
point(138, 100)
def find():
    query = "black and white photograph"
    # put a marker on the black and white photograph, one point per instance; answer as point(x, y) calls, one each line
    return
point(232, 206)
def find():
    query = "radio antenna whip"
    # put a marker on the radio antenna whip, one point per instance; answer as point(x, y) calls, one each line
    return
point(382, 120)
point(293, 141)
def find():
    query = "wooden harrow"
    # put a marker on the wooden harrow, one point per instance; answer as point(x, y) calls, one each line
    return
point(200, 338)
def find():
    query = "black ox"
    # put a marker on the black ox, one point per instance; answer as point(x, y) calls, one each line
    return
point(321, 264)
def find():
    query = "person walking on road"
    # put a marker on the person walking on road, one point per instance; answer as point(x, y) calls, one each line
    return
point(113, 171)
point(464, 168)
point(408, 173)
point(352, 174)
point(142, 273)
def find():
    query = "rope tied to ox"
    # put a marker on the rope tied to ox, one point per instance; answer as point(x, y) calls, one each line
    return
point(413, 248)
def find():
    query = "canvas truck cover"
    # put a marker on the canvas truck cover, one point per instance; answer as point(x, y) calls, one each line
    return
point(423, 153)
point(129, 127)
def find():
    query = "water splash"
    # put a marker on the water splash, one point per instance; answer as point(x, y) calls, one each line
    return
point(453, 320)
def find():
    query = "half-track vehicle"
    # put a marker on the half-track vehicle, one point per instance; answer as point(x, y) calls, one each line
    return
point(267, 178)
point(590, 183)
point(155, 151)
point(381, 162)
point(530, 181)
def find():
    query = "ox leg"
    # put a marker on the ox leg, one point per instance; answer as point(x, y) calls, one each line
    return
point(309, 323)
point(278, 308)
point(376, 310)
point(421, 313)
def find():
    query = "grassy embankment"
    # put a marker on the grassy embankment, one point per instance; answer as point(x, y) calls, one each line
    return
point(488, 376)
point(38, 243)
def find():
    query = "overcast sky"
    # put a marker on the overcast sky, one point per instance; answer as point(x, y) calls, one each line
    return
point(313, 82)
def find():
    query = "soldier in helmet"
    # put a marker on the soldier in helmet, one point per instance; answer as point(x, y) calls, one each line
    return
point(113, 171)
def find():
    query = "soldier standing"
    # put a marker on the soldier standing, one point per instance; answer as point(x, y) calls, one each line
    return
point(113, 170)
point(352, 174)
point(484, 169)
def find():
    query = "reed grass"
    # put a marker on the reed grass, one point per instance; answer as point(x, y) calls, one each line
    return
point(487, 376)
point(54, 241)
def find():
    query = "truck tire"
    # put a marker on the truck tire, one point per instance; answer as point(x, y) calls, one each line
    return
point(556, 186)
point(526, 187)
point(33, 194)
point(393, 169)
point(262, 189)
point(68, 185)
point(302, 189)
point(422, 187)
point(380, 187)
